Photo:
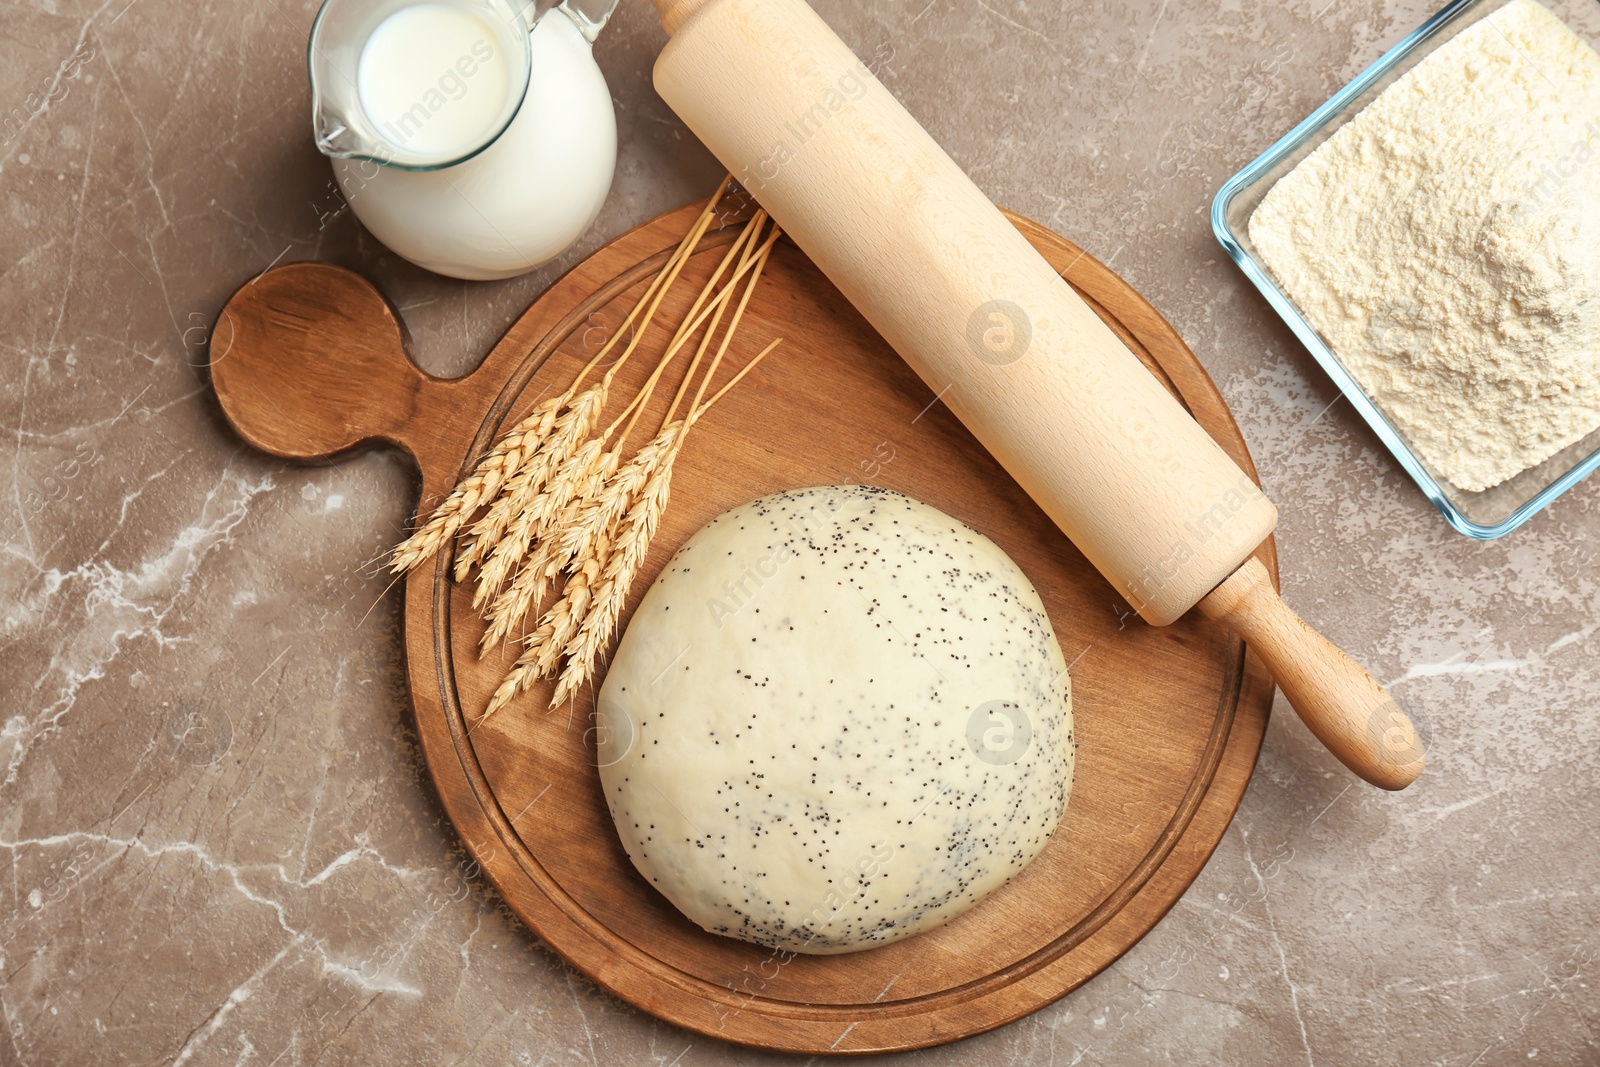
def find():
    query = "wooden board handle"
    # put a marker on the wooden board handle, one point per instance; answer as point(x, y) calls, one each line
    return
point(1348, 711)
point(292, 386)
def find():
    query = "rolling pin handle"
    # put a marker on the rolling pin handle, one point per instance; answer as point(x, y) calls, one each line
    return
point(1340, 703)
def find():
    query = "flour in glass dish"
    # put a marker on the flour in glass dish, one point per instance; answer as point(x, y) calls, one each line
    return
point(1446, 244)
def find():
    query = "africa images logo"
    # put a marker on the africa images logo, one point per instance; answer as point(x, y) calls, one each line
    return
point(199, 733)
point(999, 333)
point(999, 732)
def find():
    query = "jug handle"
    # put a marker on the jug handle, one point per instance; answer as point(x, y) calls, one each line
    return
point(590, 16)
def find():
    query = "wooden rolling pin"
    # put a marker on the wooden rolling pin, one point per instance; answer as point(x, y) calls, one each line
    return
point(1073, 415)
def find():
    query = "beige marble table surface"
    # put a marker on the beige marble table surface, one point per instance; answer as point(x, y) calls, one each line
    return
point(218, 844)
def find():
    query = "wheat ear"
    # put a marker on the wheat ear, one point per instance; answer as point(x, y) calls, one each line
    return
point(525, 489)
point(599, 500)
point(611, 503)
point(528, 588)
point(586, 565)
point(557, 546)
point(479, 488)
point(558, 625)
point(528, 490)
point(574, 426)
point(627, 554)
point(508, 454)
point(533, 521)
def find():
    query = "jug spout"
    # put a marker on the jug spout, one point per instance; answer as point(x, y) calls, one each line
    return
point(590, 16)
point(336, 137)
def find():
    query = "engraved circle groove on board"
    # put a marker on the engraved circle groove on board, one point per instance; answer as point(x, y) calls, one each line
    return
point(1110, 904)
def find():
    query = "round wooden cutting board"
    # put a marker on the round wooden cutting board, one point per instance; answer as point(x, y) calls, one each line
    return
point(308, 361)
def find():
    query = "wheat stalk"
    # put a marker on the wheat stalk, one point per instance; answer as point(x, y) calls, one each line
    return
point(528, 588)
point(554, 502)
point(611, 503)
point(584, 560)
point(479, 488)
point(631, 545)
point(696, 409)
point(626, 555)
point(740, 250)
point(571, 429)
point(654, 294)
point(688, 331)
point(693, 320)
point(700, 411)
point(749, 251)
point(531, 521)
point(544, 645)
point(626, 515)
point(503, 462)
point(658, 287)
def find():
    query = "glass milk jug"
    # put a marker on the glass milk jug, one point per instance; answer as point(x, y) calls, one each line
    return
point(465, 141)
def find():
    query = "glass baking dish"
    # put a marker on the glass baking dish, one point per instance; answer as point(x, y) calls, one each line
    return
point(1494, 512)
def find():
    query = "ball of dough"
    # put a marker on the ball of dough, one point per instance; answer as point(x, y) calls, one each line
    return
point(838, 718)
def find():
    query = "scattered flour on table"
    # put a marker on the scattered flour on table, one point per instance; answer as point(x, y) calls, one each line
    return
point(1446, 244)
